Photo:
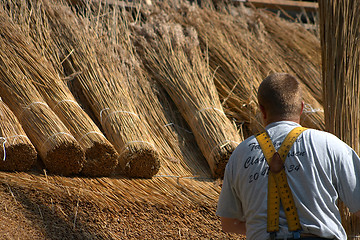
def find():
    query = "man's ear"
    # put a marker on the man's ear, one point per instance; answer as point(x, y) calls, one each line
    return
point(262, 109)
point(302, 107)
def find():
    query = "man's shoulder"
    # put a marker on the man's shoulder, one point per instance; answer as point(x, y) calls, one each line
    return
point(244, 148)
point(321, 134)
point(325, 139)
point(247, 142)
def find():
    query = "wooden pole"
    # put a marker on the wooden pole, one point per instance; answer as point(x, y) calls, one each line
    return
point(281, 4)
point(339, 31)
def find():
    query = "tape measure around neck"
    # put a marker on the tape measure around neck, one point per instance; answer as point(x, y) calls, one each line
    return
point(278, 187)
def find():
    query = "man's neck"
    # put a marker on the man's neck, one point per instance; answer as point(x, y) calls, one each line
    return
point(271, 120)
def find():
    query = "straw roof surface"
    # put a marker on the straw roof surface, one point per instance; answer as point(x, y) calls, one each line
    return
point(94, 43)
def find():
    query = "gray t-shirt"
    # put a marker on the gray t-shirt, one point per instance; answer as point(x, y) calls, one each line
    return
point(320, 169)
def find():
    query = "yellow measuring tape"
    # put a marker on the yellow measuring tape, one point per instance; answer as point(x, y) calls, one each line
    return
point(278, 187)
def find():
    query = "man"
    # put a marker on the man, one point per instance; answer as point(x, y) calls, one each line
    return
point(320, 169)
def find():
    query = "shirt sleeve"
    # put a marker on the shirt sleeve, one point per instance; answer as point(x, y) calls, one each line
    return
point(348, 175)
point(229, 205)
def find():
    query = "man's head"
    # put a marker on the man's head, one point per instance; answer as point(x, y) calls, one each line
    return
point(280, 98)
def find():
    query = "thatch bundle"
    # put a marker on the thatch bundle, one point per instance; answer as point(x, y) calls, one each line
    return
point(58, 149)
point(175, 59)
point(100, 80)
point(17, 150)
point(340, 29)
point(100, 156)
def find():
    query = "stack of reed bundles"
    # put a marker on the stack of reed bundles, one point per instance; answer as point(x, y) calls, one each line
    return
point(101, 157)
point(180, 157)
point(18, 152)
point(173, 56)
point(340, 29)
point(299, 48)
point(234, 62)
point(58, 149)
point(243, 53)
point(101, 81)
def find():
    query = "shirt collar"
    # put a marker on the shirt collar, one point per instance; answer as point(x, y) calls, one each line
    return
point(288, 123)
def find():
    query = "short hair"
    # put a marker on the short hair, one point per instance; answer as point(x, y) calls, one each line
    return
point(281, 95)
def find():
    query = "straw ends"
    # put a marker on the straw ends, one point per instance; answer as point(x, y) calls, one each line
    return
point(139, 160)
point(19, 156)
point(101, 160)
point(17, 152)
point(66, 158)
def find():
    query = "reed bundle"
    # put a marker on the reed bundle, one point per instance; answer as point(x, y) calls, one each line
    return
point(175, 59)
point(100, 80)
point(100, 156)
point(58, 149)
point(17, 150)
point(340, 28)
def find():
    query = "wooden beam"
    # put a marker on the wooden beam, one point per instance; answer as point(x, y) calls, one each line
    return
point(123, 4)
point(282, 4)
point(118, 3)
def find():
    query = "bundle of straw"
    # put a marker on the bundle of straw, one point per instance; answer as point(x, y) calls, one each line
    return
point(58, 149)
point(100, 155)
point(174, 58)
point(340, 29)
point(17, 150)
point(101, 82)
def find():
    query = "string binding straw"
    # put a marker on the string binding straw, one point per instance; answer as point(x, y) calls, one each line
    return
point(115, 112)
point(66, 100)
point(4, 138)
point(169, 124)
point(183, 177)
point(221, 145)
point(309, 109)
point(91, 132)
point(28, 106)
point(209, 108)
point(128, 143)
point(54, 135)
